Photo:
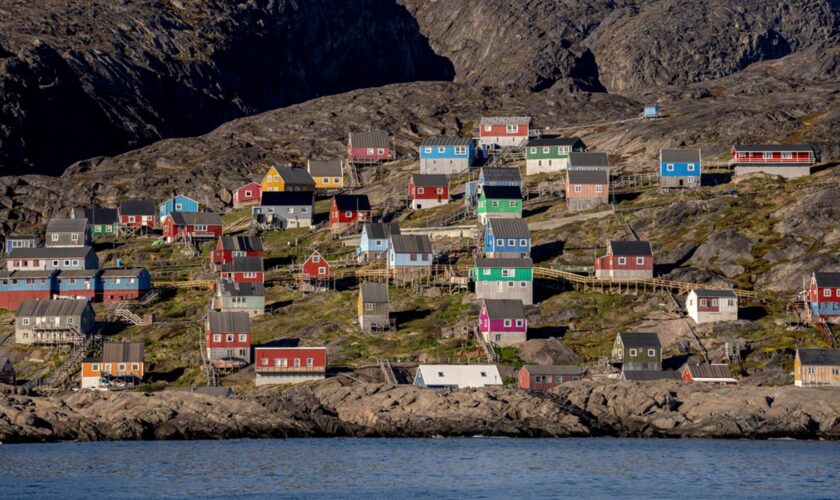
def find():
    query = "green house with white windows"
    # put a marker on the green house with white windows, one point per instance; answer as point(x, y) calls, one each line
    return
point(504, 279)
point(499, 202)
point(102, 221)
point(550, 154)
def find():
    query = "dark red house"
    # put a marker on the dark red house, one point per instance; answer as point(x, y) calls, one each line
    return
point(428, 190)
point(316, 267)
point(539, 377)
point(349, 209)
point(248, 195)
point(625, 260)
point(289, 365)
point(228, 339)
point(196, 225)
point(369, 147)
point(244, 270)
point(786, 160)
point(138, 214)
point(824, 295)
point(229, 247)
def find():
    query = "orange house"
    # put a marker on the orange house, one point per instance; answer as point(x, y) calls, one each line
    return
point(587, 189)
point(121, 366)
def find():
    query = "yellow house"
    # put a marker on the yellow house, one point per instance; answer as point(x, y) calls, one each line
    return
point(814, 367)
point(280, 179)
point(327, 174)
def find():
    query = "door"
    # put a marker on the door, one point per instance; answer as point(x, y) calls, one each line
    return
point(680, 182)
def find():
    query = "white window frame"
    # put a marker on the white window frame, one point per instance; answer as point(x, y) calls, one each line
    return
point(651, 353)
point(243, 337)
point(439, 190)
point(622, 261)
point(380, 151)
point(640, 261)
point(633, 352)
point(508, 273)
point(578, 188)
point(368, 306)
point(599, 188)
point(669, 167)
point(420, 190)
point(460, 150)
point(787, 156)
point(523, 242)
point(512, 128)
point(441, 149)
point(546, 150)
point(179, 207)
point(322, 270)
point(690, 167)
point(427, 150)
point(768, 156)
point(54, 237)
point(520, 323)
point(508, 323)
point(217, 337)
point(488, 128)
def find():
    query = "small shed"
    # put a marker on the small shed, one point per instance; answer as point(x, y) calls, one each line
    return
point(650, 111)
point(708, 373)
point(373, 308)
point(457, 376)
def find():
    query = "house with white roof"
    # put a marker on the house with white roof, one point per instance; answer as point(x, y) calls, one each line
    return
point(457, 376)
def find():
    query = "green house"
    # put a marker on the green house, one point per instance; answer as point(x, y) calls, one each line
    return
point(504, 279)
point(637, 351)
point(550, 154)
point(499, 202)
point(102, 221)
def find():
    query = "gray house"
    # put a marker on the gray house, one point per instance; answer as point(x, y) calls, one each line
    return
point(47, 259)
point(68, 233)
point(244, 297)
point(374, 307)
point(285, 209)
point(64, 321)
point(637, 352)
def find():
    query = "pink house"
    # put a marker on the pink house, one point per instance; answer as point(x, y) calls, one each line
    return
point(502, 322)
point(248, 195)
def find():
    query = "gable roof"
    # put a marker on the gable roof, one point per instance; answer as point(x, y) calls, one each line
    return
point(287, 199)
point(504, 120)
point(631, 248)
point(502, 192)
point(590, 159)
point(29, 274)
point(819, 357)
point(295, 175)
point(371, 139)
point(709, 371)
point(649, 375)
point(446, 141)
point(588, 177)
point(680, 155)
point(787, 148)
point(498, 174)
point(460, 375)
point(509, 228)
point(643, 339)
point(233, 289)
point(325, 168)
point(411, 243)
point(827, 279)
point(67, 225)
point(176, 197)
point(122, 272)
point(123, 352)
point(553, 369)
point(50, 252)
point(138, 207)
point(60, 307)
point(229, 322)
point(374, 292)
point(352, 202)
point(430, 180)
point(96, 215)
point(244, 265)
point(380, 230)
point(524, 262)
point(241, 243)
point(192, 218)
point(722, 294)
point(504, 309)
point(554, 141)
point(76, 273)
point(21, 237)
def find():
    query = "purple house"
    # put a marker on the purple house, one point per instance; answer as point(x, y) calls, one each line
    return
point(502, 322)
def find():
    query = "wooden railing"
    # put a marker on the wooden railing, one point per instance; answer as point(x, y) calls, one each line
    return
point(189, 284)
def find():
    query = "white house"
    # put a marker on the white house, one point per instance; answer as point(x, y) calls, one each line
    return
point(457, 376)
point(709, 306)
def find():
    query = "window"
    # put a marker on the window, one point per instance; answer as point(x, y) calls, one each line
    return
point(768, 156)
point(512, 129)
point(486, 271)
point(121, 367)
point(690, 167)
point(835, 371)
point(70, 320)
point(427, 150)
point(94, 367)
point(523, 243)
point(310, 362)
point(178, 207)
point(439, 190)
point(640, 261)
point(281, 362)
point(507, 273)
point(523, 284)
point(827, 292)
point(533, 150)
point(229, 337)
point(669, 167)
point(546, 150)
point(243, 337)
point(495, 203)
point(380, 151)
point(291, 210)
point(730, 302)
point(420, 190)
point(135, 366)
point(539, 379)
point(812, 370)
point(107, 367)
point(508, 323)
point(622, 261)
point(520, 323)
point(304, 210)
point(742, 155)
point(67, 263)
point(370, 151)
point(512, 203)
point(337, 180)
point(704, 302)
point(348, 214)
point(131, 218)
point(511, 243)
point(264, 361)
point(715, 302)
point(500, 242)
point(322, 270)
point(74, 236)
point(487, 128)
point(484, 374)
point(511, 284)
point(633, 353)
point(316, 258)
point(217, 337)
point(651, 353)
point(599, 188)
point(368, 307)
point(75, 262)
point(690, 179)
point(460, 150)
point(25, 321)
point(297, 362)
point(54, 237)
point(441, 149)
point(578, 188)
point(787, 156)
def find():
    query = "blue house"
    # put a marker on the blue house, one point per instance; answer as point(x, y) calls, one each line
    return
point(77, 284)
point(179, 203)
point(446, 155)
point(375, 240)
point(18, 286)
point(409, 256)
point(117, 285)
point(679, 168)
point(651, 111)
point(507, 238)
point(14, 241)
point(495, 176)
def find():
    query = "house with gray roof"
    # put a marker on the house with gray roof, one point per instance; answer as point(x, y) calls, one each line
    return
point(542, 377)
point(680, 168)
point(587, 187)
point(637, 351)
point(373, 307)
point(285, 209)
point(375, 240)
point(62, 233)
point(246, 297)
point(410, 256)
point(62, 321)
point(711, 306)
point(816, 367)
point(507, 238)
point(45, 259)
point(446, 155)
point(372, 146)
point(327, 174)
point(228, 339)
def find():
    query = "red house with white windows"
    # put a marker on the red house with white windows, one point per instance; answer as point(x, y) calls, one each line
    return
point(369, 147)
point(348, 209)
point(427, 191)
point(228, 339)
point(824, 295)
point(195, 225)
point(229, 247)
point(140, 214)
point(786, 160)
point(248, 195)
point(289, 365)
point(503, 131)
point(316, 267)
point(625, 260)
point(243, 270)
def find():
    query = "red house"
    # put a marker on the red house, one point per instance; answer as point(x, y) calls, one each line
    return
point(503, 131)
point(625, 260)
point(138, 214)
point(316, 267)
point(708, 373)
point(349, 209)
point(369, 147)
point(289, 365)
point(427, 191)
point(229, 247)
point(824, 295)
point(786, 160)
point(248, 195)
point(228, 339)
point(244, 270)
point(196, 225)
point(539, 378)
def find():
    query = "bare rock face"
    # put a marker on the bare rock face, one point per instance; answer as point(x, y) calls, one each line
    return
point(726, 250)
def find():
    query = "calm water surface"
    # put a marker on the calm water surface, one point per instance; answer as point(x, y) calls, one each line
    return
point(428, 468)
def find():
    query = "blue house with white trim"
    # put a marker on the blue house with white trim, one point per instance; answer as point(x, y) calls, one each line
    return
point(179, 203)
point(19, 241)
point(446, 155)
point(680, 168)
point(375, 239)
point(507, 238)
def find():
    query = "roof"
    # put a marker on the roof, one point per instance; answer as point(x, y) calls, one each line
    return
point(244, 265)
point(578, 160)
point(287, 199)
point(709, 371)
point(4, 360)
point(825, 279)
point(649, 375)
point(192, 218)
point(433, 180)
point(371, 139)
point(229, 322)
point(502, 192)
point(553, 369)
point(121, 272)
point(21, 237)
point(66, 225)
point(554, 141)
point(525, 262)
point(645, 339)
point(504, 308)
point(460, 375)
point(241, 243)
point(680, 155)
point(123, 352)
point(374, 292)
point(27, 274)
point(241, 289)
point(352, 202)
point(631, 248)
point(599, 176)
point(97, 215)
point(50, 252)
point(446, 141)
point(61, 307)
point(510, 228)
point(819, 357)
point(325, 168)
point(138, 207)
point(411, 243)
point(724, 294)
point(380, 230)
point(294, 175)
point(788, 148)
point(497, 174)
point(504, 120)
point(77, 273)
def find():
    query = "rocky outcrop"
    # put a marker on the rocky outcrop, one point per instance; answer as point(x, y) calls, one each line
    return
point(338, 407)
